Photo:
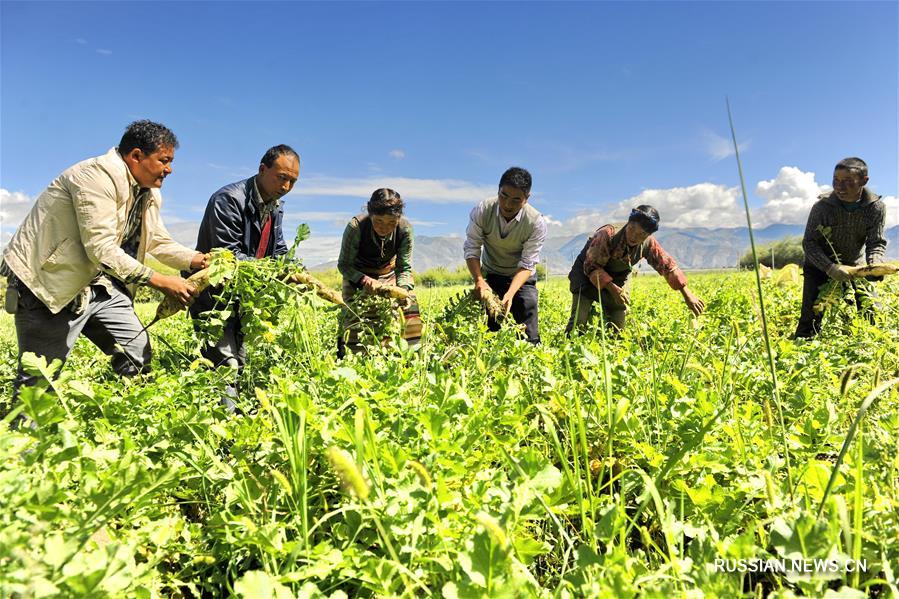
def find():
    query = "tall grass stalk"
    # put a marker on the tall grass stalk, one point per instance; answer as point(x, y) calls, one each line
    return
point(725, 380)
point(888, 575)
point(303, 331)
point(573, 479)
point(607, 391)
point(858, 506)
point(850, 435)
point(758, 281)
point(650, 488)
point(579, 437)
point(291, 426)
point(657, 430)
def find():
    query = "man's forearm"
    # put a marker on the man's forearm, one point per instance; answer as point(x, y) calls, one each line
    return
point(349, 250)
point(519, 279)
point(875, 251)
point(474, 267)
point(816, 256)
point(348, 272)
point(599, 277)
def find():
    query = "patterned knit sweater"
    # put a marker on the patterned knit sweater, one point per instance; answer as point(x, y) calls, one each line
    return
point(837, 234)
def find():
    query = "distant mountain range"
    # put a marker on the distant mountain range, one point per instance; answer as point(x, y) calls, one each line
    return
point(692, 248)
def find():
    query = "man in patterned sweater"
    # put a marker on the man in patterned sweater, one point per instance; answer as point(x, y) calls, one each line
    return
point(601, 272)
point(839, 225)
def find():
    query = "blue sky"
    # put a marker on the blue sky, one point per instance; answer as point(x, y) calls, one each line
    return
point(607, 104)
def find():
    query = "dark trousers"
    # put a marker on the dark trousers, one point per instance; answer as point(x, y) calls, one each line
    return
point(108, 320)
point(228, 351)
point(809, 322)
point(524, 304)
point(583, 304)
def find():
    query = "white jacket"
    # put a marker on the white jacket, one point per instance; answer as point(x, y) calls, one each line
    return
point(75, 229)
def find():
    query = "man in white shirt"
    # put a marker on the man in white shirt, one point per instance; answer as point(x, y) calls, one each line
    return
point(502, 248)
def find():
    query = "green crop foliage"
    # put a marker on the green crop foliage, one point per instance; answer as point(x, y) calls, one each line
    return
point(474, 466)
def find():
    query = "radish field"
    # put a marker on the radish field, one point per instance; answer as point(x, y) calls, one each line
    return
point(669, 461)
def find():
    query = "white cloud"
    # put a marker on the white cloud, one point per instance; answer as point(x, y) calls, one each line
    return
point(14, 206)
point(787, 200)
point(788, 197)
point(336, 219)
point(81, 41)
point(437, 191)
point(892, 204)
point(398, 154)
point(342, 218)
point(718, 147)
point(104, 51)
point(551, 222)
point(318, 250)
point(701, 205)
point(182, 231)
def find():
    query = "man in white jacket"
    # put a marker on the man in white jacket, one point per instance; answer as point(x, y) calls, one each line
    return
point(75, 260)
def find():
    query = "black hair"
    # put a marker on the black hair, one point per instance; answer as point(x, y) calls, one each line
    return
point(147, 137)
point(646, 216)
point(385, 202)
point(518, 178)
point(854, 165)
point(275, 152)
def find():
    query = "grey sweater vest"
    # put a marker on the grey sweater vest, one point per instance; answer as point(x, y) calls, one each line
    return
point(501, 255)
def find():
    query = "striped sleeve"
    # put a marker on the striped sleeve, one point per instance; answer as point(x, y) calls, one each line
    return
point(665, 265)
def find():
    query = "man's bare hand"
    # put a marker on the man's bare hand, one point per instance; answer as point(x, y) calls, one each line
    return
point(200, 261)
point(368, 284)
point(174, 287)
point(481, 288)
point(694, 303)
point(619, 295)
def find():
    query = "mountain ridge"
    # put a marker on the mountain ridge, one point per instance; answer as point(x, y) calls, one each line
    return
point(693, 248)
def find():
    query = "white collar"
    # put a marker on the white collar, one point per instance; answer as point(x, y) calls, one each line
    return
point(517, 217)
